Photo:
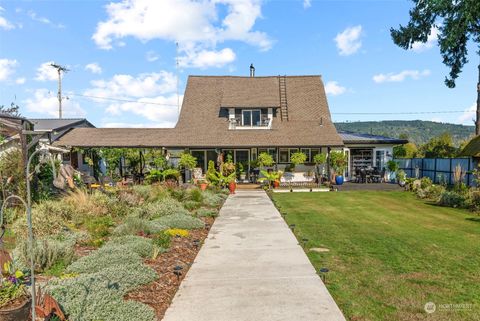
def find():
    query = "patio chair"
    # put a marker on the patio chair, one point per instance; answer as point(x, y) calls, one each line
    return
point(363, 176)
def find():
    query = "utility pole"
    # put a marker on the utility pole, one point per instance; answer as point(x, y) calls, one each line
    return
point(477, 121)
point(59, 70)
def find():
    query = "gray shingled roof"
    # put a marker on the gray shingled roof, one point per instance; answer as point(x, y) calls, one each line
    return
point(200, 124)
point(51, 124)
point(357, 138)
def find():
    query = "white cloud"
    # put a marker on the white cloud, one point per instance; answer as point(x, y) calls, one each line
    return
point(195, 25)
point(468, 116)
point(206, 58)
point(7, 68)
point(45, 103)
point(45, 72)
point(35, 17)
point(431, 41)
point(307, 4)
point(401, 76)
point(348, 41)
point(334, 89)
point(151, 96)
point(20, 81)
point(94, 68)
point(4, 23)
point(151, 56)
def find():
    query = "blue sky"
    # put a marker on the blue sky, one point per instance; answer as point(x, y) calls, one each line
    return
point(126, 51)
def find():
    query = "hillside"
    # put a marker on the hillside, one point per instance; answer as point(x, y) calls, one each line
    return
point(417, 131)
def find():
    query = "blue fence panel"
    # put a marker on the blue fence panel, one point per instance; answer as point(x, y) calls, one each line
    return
point(439, 170)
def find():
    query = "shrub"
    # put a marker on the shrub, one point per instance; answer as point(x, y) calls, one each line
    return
point(177, 232)
point(98, 228)
point(211, 199)
point(48, 218)
point(194, 194)
point(47, 252)
point(186, 222)
point(162, 240)
point(202, 212)
point(474, 200)
point(150, 193)
point(191, 205)
point(433, 192)
point(178, 193)
point(167, 206)
point(99, 296)
point(135, 225)
point(131, 243)
point(425, 182)
point(452, 199)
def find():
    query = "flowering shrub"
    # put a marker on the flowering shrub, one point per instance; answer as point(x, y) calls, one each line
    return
point(181, 221)
point(11, 284)
point(177, 232)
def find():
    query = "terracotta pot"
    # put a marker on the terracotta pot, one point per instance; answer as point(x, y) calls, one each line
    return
point(232, 186)
point(18, 313)
point(276, 184)
point(203, 186)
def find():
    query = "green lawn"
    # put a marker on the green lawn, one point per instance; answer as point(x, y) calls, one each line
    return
point(390, 253)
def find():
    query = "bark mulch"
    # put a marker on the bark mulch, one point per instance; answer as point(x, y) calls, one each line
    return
point(182, 252)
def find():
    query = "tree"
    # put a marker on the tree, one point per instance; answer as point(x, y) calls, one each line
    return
point(439, 147)
point(187, 161)
point(408, 150)
point(457, 22)
point(297, 158)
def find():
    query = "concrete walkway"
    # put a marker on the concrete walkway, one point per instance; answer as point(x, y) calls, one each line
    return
point(251, 268)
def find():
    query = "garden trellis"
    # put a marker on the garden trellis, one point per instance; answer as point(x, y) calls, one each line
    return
point(28, 210)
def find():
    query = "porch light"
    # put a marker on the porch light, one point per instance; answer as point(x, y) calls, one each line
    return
point(292, 227)
point(177, 270)
point(323, 274)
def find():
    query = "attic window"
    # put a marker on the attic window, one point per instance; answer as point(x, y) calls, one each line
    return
point(251, 117)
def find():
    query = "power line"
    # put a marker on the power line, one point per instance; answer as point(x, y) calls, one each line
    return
point(403, 113)
point(60, 69)
point(119, 99)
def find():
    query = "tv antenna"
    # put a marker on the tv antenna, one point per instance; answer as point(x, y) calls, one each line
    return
point(60, 69)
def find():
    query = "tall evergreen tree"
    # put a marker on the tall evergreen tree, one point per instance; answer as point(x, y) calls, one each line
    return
point(458, 22)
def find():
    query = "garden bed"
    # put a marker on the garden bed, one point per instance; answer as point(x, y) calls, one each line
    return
point(182, 252)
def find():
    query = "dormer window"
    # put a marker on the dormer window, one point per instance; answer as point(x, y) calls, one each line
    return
point(252, 117)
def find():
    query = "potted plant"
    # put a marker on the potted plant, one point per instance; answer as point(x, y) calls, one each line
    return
point(271, 177)
point(265, 160)
point(14, 298)
point(187, 162)
point(241, 170)
point(338, 162)
point(392, 168)
point(401, 177)
point(297, 159)
point(228, 174)
point(319, 160)
point(203, 184)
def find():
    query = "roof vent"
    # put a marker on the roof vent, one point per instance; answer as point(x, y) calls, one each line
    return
point(252, 71)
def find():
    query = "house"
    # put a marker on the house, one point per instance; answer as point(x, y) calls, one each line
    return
point(241, 117)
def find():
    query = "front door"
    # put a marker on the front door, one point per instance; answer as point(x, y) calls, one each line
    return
point(242, 156)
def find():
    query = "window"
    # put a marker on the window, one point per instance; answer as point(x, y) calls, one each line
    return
point(380, 159)
point(251, 117)
point(271, 151)
point(313, 152)
point(283, 153)
point(306, 151)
